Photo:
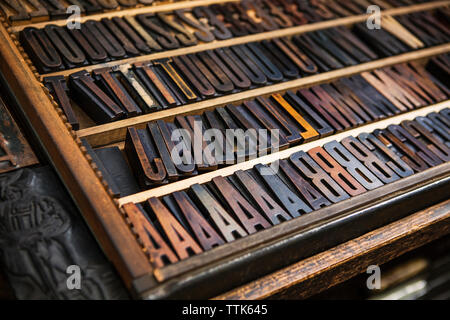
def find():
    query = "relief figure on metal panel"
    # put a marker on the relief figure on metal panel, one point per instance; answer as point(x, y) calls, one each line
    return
point(42, 234)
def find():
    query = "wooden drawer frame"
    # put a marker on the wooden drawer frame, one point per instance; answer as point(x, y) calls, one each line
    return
point(187, 278)
point(329, 268)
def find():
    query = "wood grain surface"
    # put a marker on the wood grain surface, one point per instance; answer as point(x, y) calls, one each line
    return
point(349, 259)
